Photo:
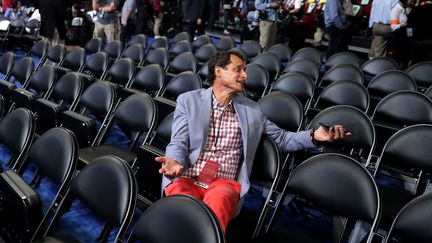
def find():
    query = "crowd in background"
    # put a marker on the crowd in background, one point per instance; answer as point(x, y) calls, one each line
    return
point(399, 27)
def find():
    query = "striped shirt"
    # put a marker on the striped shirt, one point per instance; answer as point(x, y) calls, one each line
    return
point(225, 133)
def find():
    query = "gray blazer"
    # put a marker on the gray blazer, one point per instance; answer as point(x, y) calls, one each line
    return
point(190, 129)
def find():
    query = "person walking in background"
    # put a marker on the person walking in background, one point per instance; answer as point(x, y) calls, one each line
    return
point(227, 7)
point(158, 14)
point(379, 21)
point(53, 15)
point(213, 6)
point(127, 20)
point(335, 21)
point(106, 18)
point(419, 21)
point(398, 23)
point(268, 22)
point(197, 15)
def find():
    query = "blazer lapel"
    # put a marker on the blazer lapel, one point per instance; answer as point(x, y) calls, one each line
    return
point(240, 109)
point(205, 109)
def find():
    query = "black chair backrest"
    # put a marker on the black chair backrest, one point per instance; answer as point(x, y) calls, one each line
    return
point(391, 81)
point(108, 188)
point(138, 112)
point(135, 52)
point(205, 52)
point(225, 43)
point(305, 66)
point(149, 79)
point(349, 192)
point(162, 136)
point(270, 107)
point(122, 71)
point(182, 36)
point(163, 222)
point(160, 42)
point(97, 65)
point(39, 49)
point(378, 65)
point(258, 79)
point(251, 47)
point(297, 84)
point(266, 164)
point(344, 92)
point(56, 53)
point(158, 56)
point(203, 72)
point(410, 148)
point(180, 47)
point(23, 69)
point(282, 51)
point(201, 40)
point(16, 132)
point(343, 72)
point(6, 63)
point(114, 49)
point(341, 58)
point(412, 222)
point(68, 88)
point(404, 108)
point(43, 79)
point(355, 121)
point(270, 62)
point(138, 39)
point(184, 62)
point(181, 83)
point(94, 45)
point(56, 154)
point(99, 98)
point(75, 59)
point(308, 53)
point(421, 72)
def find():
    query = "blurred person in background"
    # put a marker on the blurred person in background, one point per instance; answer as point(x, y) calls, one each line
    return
point(379, 21)
point(53, 16)
point(335, 21)
point(419, 21)
point(106, 18)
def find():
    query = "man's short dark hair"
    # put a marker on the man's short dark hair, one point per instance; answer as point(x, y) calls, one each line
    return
point(221, 59)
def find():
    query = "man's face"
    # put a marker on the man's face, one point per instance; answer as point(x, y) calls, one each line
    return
point(233, 76)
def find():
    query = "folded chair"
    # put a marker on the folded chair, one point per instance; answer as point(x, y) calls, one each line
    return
point(108, 188)
point(55, 155)
point(340, 186)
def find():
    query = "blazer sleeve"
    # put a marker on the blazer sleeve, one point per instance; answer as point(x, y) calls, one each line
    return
point(289, 141)
point(177, 149)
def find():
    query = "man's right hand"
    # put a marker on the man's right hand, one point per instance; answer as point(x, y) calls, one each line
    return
point(170, 168)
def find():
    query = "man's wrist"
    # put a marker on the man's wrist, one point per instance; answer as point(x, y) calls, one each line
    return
point(312, 138)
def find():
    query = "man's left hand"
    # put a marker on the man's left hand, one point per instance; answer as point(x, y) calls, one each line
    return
point(335, 132)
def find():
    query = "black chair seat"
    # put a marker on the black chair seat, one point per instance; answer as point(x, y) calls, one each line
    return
point(86, 155)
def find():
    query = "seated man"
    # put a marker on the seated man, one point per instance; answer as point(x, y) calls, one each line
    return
point(215, 134)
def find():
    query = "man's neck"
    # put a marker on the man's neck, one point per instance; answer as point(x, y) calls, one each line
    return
point(224, 96)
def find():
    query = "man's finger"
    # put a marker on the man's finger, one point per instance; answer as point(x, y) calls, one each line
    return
point(160, 159)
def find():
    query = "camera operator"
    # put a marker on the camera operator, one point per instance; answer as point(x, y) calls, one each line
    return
point(268, 24)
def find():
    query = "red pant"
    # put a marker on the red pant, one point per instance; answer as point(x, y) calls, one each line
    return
point(222, 196)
